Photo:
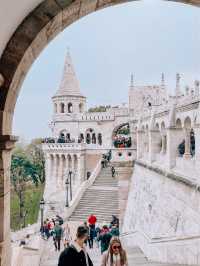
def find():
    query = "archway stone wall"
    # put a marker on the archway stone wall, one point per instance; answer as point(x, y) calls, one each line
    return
point(30, 38)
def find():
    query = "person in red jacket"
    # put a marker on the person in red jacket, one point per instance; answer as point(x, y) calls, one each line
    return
point(92, 220)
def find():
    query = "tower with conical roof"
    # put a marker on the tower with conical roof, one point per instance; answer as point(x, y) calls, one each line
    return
point(68, 98)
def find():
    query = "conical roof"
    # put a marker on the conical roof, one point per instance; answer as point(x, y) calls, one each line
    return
point(69, 84)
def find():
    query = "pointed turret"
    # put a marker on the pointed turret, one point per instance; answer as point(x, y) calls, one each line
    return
point(132, 81)
point(178, 89)
point(163, 81)
point(69, 84)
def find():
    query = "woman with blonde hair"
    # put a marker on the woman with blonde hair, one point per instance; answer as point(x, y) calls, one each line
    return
point(115, 255)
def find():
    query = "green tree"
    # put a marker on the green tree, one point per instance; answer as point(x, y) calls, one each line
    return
point(22, 171)
point(27, 167)
point(36, 155)
point(101, 108)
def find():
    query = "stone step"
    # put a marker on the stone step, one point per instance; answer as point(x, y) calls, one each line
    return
point(97, 213)
point(86, 205)
point(99, 206)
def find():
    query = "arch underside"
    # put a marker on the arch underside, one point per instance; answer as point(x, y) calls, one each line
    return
point(32, 36)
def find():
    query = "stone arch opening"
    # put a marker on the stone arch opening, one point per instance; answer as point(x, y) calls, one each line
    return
point(100, 141)
point(62, 108)
point(121, 137)
point(89, 135)
point(163, 138)
point(70, 108)
point(45, 21)
point(94, 138)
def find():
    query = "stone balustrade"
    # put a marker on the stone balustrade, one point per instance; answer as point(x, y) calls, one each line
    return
point(63, 146)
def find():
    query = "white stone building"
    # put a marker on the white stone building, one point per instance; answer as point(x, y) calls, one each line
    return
point(158, 123)
point(79, 138)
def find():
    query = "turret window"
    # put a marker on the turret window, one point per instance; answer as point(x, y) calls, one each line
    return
point(70, 108)
point(62, 108)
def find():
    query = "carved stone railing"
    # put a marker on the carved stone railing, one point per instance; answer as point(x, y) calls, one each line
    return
point(63, 146)
point(159, 248)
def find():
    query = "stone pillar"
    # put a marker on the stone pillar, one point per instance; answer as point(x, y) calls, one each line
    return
point(153, 144)
point(173, 140)
point(47, 167)
point(60, 171)
point(81, 169)
point(197, 147)
point(163, 140)
point(6, 145)
point(54, 167)
point(187, 154)
point(139, 143)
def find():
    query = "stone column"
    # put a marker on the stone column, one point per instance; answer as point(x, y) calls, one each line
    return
point(60, 171)
point(54, 167)
point(173, 140)
point(163, 139)
point(187, 154)
point(153, 144)
point(81, 169)
point(139, 143)
point(197, 147)
point(48, 167)
point(6, 145)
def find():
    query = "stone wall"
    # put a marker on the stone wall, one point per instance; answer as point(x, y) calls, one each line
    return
point(163, 215)
point(91, 162)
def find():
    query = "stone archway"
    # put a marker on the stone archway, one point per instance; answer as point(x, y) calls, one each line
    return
point(43, 23)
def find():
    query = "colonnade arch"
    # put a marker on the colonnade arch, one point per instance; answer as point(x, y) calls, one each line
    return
point(36, 30)
point(60, 165)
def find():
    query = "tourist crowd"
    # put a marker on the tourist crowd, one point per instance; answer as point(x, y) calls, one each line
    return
point(105, 237)
point(112, 251)
point(122, 141)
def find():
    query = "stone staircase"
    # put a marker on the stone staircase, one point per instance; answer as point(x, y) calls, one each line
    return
point(135, 257)
point(101, 199)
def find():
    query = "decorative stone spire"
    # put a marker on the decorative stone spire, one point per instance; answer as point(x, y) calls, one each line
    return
point(69, 84)
point(178, 90)
point(163, 81)
point(132, 81)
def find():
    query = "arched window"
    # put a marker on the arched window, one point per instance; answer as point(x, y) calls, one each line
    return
point(81, 138)
point(62, 108)
point(94, 138)
point(68, 137)
point(70, 108)
point(100, 139)
point(61, 138)
point(88, 138)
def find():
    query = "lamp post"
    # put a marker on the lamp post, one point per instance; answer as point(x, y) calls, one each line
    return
point(67, 189)
point(42, 202)
point(70, 184)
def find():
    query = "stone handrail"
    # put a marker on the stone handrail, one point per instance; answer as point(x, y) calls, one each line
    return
point(161, 239)
point(74, 145)
point(85, 185)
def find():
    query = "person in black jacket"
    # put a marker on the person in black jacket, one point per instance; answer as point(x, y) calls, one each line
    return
point(76, 254)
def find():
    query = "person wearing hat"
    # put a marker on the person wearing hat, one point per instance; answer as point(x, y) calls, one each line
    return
point(76, 253)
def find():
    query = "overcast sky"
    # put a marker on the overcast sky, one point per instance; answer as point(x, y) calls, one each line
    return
point(145, 38)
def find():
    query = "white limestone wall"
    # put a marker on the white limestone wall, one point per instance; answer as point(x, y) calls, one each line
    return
point(163, 217)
